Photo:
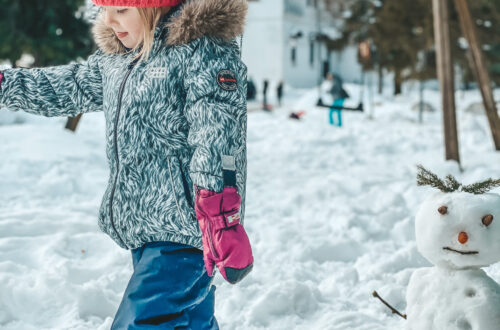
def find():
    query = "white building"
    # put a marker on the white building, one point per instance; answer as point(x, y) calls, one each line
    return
point(281, 44)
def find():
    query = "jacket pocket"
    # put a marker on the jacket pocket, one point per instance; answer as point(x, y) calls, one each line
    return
point(180, 189)
point(186, 185)
point(104, 207)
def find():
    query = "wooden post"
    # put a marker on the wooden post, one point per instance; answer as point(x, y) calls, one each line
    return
point(446, 77)
point(72, 122)
point(478, 66)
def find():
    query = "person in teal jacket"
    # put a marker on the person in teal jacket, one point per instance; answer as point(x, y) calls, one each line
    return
point(169, 78)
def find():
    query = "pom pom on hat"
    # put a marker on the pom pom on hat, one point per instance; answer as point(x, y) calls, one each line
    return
point(137, 3)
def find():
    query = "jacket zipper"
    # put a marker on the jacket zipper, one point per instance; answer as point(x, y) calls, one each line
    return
point(115, 138)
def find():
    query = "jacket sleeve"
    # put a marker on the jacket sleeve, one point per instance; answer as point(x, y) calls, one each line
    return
point(65, 90)
point(216, 86)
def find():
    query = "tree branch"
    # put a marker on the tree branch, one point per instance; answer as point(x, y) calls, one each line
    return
point(394, 311)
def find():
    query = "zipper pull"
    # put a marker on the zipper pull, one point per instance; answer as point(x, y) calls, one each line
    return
point(132, 64)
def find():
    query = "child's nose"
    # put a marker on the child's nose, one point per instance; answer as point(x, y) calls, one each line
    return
point(463, 237)
point(108, 19)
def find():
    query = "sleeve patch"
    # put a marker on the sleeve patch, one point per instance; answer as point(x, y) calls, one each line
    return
point(227, 80)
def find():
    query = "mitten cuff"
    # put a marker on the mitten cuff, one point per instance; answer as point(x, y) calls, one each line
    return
point(225, 221)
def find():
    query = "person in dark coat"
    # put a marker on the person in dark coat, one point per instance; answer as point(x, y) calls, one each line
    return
point(337, 90)
point(265, 106)
point(251, 90)
point(279, 92)
point(339, 95)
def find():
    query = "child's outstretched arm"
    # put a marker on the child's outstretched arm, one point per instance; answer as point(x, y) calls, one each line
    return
point(65, 90)
point(216, 111)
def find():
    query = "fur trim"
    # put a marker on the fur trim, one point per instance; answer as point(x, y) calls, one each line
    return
point(224, 19)
point(137, 3)
point(105, 38)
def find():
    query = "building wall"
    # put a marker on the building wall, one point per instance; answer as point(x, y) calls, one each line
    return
point(346, 64)
point(268, 43)
point(306, 70)
point(262, 41)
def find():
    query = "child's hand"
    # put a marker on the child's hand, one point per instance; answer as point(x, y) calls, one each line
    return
point(225, 242)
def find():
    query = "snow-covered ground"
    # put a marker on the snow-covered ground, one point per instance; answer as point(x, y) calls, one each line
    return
point(330, 213)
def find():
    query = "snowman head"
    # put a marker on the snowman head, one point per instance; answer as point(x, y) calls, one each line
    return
point(458, 227)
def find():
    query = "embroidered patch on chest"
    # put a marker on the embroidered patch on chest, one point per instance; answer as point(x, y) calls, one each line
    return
point(157, 72)
point(227, 80)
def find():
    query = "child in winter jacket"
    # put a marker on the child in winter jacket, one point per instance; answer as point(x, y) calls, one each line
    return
point(169, 79)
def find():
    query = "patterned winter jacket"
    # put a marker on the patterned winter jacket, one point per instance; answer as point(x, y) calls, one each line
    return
point(171, 121)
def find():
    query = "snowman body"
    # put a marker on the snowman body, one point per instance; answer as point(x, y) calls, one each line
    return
point(459, 233)
point(441, 298)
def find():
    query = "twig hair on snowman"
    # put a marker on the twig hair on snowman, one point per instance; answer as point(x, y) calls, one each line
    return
point(458, 230)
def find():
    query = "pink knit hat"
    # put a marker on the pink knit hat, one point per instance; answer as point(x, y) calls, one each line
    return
point(137, 3)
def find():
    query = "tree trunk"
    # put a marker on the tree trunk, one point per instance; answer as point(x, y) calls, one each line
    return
point(72, 122)
point(479, 69)
point(37, 63)
point(446, 78)
point(380, 79)
point(397, 82)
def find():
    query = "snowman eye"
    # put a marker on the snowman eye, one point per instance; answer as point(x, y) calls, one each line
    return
point(487, 220)
point(443, 210)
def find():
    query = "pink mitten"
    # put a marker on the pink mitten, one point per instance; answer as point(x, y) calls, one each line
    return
point(225, 242)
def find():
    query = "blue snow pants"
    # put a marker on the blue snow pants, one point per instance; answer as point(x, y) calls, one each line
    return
point(169, 289)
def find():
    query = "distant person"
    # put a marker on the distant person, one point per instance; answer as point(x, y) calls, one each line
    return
point(338, 95)
point(265, 106)
point(177, 173)
point(331, 89)
point(251, 90)
point(337, 90)
point(279, 92)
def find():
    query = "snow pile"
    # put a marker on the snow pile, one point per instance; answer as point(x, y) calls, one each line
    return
point(330, 213)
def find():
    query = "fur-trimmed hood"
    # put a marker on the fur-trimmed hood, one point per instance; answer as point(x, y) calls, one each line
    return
point(224, 19)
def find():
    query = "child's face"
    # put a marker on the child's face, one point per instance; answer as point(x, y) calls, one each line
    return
point(126, 23)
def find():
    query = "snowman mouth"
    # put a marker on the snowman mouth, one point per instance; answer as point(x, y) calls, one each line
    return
point(461, 252)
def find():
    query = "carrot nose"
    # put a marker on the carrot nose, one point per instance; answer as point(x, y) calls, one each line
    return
point(463, 238)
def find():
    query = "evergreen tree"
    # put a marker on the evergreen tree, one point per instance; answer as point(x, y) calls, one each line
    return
point(402, 30)
point(402, 33)
point(52, 31)
point(486, 14)
point(399, 30)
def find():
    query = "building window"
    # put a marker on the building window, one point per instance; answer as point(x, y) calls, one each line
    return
point(294, 55)
point(313, 3)
point(311, 52)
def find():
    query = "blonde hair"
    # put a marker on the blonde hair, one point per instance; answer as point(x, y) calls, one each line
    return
point(150, 16)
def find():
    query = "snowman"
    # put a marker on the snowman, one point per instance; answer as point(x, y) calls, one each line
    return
point(458, 231)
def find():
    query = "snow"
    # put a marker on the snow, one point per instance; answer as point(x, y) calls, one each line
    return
point(330, 213)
